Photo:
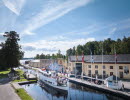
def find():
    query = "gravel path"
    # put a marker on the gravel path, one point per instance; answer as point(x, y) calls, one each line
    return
point(6, 91)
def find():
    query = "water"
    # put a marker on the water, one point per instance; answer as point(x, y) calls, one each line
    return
point(75, 92)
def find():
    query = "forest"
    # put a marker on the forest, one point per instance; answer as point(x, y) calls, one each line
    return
point(108, 47)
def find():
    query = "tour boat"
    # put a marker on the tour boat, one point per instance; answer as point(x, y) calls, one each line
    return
point(51, 79)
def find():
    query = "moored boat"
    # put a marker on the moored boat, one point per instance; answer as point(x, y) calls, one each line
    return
point(52, 79)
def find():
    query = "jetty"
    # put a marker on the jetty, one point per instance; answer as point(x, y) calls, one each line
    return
point(101, 88)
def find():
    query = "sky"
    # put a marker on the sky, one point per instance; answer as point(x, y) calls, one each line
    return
point(45, 26)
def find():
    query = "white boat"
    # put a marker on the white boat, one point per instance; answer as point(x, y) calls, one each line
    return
point(112, 83)
point(51, 79)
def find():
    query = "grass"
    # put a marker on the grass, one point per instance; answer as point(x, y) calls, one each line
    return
point(20, 73)
point(23, 94)
point(4, 74)
point(21, 80)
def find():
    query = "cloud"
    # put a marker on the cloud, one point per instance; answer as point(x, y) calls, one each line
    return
point(29, 48)
point(14, 5)
point(112, 30)
point(44, 46)
point(1, 37)
point(53, 11)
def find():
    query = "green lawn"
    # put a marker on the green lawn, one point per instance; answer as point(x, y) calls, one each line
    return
point(4, 74)
point(21, 80)
point(23, 94)
point(20, 72)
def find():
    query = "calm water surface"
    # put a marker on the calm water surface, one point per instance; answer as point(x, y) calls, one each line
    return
point(75, 92)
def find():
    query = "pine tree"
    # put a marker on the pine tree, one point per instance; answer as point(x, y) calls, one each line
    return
point(11, 50)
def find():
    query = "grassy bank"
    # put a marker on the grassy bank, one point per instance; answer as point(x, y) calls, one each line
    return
point(23, 94)
point(4, 74)
point(20, 73)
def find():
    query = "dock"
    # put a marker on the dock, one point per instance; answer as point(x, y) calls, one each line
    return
point(101, 88)
point(29, 76)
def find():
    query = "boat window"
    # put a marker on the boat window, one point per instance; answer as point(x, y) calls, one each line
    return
point(49, 82)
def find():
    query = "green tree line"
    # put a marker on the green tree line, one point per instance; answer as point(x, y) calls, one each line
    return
point(108, 46)
point(48, 56)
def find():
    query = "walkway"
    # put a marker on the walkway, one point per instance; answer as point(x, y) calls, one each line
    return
point(7, 92)
point(127, 86)
point(101, 88)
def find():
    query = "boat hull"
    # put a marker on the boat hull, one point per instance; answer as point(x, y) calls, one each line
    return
point(58, 88)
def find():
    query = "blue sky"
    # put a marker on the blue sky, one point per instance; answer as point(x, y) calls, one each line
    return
point(45, 26)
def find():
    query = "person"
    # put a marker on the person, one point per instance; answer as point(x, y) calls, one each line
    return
point(122, 86)
point(28, 75)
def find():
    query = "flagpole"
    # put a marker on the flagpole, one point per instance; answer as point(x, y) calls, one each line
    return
point(82, 71)
point(91, 66)
point(82, 64)
point(75, 66)
point(91, 71)
point(75, 61)
point(102, 61)
point(115, 63)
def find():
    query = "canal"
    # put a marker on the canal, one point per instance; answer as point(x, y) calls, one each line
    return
point(75, 92)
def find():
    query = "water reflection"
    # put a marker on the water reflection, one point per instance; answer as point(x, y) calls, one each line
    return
point(75, 92)
point(53, 92)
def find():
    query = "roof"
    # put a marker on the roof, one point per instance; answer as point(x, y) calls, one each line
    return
point(35, 60)
point(121, 58)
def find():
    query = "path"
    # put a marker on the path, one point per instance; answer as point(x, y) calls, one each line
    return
point(7, 92)
point(127, 86)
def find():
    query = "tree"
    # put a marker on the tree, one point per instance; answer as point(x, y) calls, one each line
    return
point(11, 50)
point(42, 56)
point(109, 47)
point(79, 50)
point(73, 51)
point(59, 54)
point(69, 52)
point(37, 56)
